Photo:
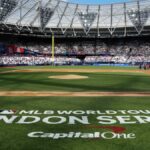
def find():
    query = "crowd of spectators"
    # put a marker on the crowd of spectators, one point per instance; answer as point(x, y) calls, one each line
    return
point(40, 60)
point(130, 52)
point(133, 48)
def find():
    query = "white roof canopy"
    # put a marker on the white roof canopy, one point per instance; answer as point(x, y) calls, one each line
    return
point(52, 14)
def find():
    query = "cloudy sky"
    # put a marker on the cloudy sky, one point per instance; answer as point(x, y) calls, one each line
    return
point(96, 1)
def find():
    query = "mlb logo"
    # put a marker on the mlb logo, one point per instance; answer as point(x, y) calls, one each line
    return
point(7, 112)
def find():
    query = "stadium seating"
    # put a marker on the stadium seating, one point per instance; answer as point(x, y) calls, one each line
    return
point(133, 52)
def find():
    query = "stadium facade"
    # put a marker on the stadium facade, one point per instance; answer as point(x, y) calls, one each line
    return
point(65, 19)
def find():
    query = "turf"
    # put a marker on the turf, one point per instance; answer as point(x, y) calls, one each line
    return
point(96, 82)
point(14, 136)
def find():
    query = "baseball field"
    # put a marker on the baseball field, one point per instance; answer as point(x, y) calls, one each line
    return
point(74, 108)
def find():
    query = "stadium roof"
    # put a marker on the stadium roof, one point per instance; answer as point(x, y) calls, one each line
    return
point(96, 1)
point(58, 15)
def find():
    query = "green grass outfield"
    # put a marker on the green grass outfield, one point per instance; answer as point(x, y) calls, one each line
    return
point(14, 136)
point(37, 81)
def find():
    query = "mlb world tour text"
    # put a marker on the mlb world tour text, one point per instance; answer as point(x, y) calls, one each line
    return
point(108, 117)
point(77, 117)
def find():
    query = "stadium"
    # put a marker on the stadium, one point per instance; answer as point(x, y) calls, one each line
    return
point(74, 75)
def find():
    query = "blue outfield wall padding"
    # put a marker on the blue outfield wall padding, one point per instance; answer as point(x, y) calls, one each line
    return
point(117, 65)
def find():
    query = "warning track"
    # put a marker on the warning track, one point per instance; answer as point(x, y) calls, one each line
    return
point(75, 71)
point(73, 94)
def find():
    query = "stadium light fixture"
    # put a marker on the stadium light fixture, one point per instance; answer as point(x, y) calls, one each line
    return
point(6, 7)
point(45, 15)
point(87, 20)
point(138, 18)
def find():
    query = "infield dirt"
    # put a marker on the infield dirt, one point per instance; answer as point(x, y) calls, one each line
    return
point(74, 94)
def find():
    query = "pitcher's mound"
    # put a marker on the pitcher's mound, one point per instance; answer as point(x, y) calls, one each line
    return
point(68, 77)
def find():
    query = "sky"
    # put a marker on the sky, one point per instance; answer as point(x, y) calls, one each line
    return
point(96, 1)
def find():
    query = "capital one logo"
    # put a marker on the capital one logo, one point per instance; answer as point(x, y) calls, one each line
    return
point(114, 133)
point(48, 117)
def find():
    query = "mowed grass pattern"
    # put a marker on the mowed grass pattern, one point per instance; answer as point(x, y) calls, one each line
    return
point(96, 82)
point(14, 136)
